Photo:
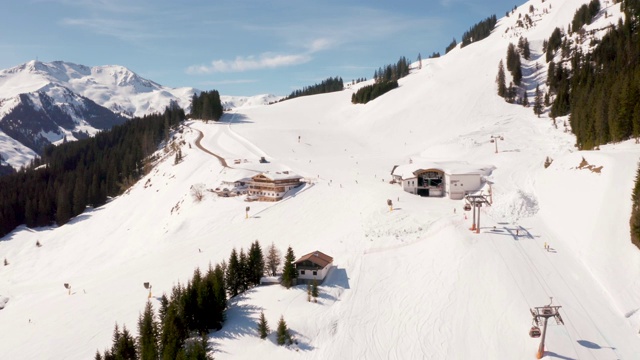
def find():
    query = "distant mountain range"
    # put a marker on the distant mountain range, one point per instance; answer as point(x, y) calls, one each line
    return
point(43, 103)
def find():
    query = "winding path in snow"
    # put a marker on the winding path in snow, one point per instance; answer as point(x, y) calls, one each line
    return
point(223, 162)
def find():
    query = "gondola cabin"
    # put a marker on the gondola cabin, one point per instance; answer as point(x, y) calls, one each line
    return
point(534, 332)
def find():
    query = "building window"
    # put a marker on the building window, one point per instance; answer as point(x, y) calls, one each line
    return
point(301, 272)
point(315, 273)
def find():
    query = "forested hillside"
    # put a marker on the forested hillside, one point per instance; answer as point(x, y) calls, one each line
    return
point(74, 175)
point(601, 89)
point(325, 86)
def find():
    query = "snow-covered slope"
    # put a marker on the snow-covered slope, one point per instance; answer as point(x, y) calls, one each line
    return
point(410, 283)
point(234, 102)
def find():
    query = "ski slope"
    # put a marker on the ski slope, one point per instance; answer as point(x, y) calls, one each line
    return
point(409, 283)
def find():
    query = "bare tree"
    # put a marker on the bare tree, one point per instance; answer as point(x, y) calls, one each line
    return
point(273, 260)
point(197, 192)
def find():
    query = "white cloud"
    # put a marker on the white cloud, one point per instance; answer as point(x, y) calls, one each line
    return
point(240, 64)
point(319, 45)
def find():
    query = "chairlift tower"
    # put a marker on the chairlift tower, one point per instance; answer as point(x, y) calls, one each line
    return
point(495, 138)
point(541, 316)
point(476, 201)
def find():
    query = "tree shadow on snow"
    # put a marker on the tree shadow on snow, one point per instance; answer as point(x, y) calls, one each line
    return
point(241, 319)
point(235, 119)
point(299, 341)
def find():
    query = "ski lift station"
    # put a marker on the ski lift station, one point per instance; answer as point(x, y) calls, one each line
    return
point(439, 179)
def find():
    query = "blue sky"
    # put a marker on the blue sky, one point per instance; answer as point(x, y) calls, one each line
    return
point(237, 47)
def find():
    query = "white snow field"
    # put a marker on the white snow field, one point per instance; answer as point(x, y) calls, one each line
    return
point(412, 283)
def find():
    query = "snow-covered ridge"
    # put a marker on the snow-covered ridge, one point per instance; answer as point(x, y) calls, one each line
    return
point(112, 86)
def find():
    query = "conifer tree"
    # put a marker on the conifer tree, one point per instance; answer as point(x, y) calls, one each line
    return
point(314, 290)
point(263, 327)
point(256, 263)
point(196, 348)
point(512, 55)
point(289, 271)
point(501, 80)
point(148, 348)
point(243, 266)
point(525, 98)
point(283, 332)
point(537, 102)
point(173, 332)
point(233, 274)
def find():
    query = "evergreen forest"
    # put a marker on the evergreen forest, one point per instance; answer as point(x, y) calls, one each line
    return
point(206, 106)
point(326, 86)
point(179, 329)
point(479, 31)
point(601, 89)
point(74, 175)
point(370, 92)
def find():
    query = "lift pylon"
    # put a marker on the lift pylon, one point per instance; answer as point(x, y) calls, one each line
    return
point(541, 316)
point(476, 201)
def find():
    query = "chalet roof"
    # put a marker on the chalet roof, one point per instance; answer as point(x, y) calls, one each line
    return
point(285, 175)
point(408, 171)
point(316, 257)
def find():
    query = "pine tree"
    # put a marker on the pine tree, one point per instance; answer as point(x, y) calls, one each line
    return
point(263, 327)
point(283, 332)
point(501, 80)
point(289, 271)
point(243, 266)
point(195, 348)
point(256, 263)
point(537, 102)
point(526, 51)
point(126, 347)
point(148, 348)
point(173, 332)
point(233, 274)
point(314, 290)
point(273, 259)
point(525, 98)
point(512, 55)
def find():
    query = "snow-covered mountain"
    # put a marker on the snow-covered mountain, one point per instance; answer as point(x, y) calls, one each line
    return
point(411, 283)
point(234, 102)
point(112, 86)
point(42, 103)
